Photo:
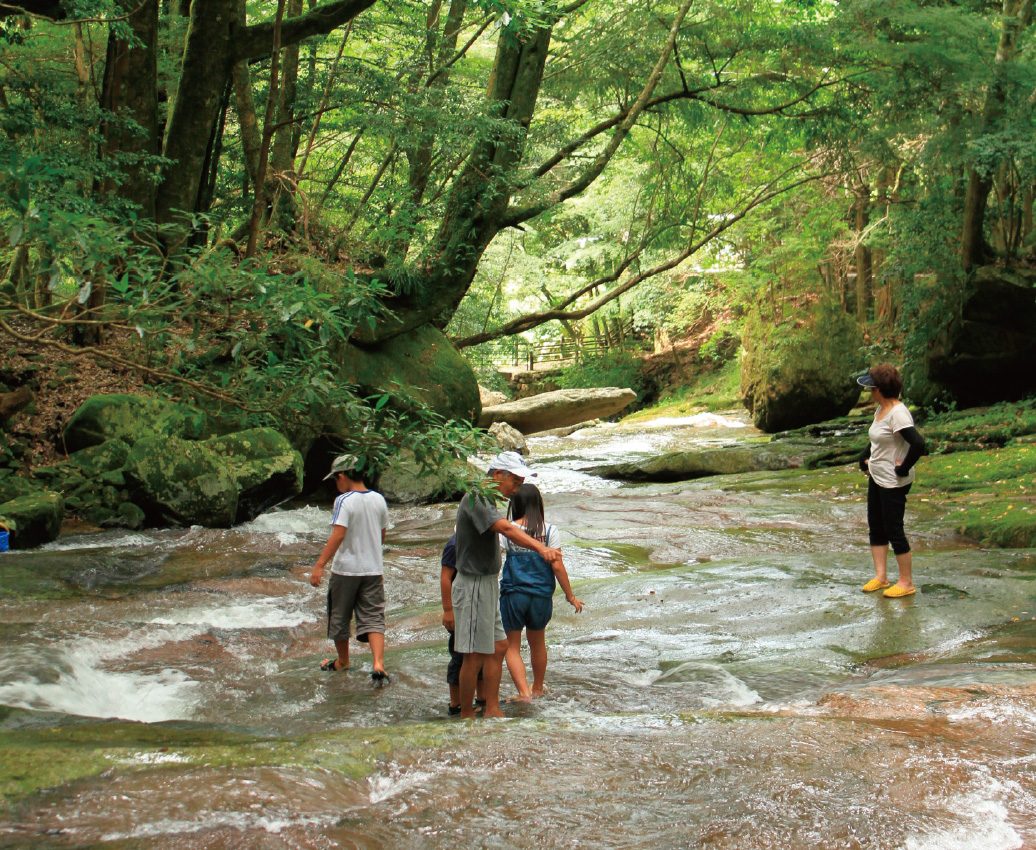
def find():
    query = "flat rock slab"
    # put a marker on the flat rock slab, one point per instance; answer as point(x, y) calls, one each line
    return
point(700, 463)
point(558, 409)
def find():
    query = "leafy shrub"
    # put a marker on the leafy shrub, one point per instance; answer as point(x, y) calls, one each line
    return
point(616, 367)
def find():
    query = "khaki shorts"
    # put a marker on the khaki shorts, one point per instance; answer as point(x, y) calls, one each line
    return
point(362, 596)
point(476, 613)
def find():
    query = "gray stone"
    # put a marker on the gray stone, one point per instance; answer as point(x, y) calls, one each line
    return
point(558, 409)
point(508, 439)
point(491, 397)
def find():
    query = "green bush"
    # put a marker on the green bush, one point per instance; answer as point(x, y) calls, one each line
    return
point(616, 367)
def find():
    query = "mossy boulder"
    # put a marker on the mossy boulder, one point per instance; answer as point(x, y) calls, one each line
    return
point(33, 519)
point(103, 458)
point(404, 483)
point(265, 467)
point(801, 370)
point(181, 482)
point(130, 418)
point(13, 487)
point(425, 363)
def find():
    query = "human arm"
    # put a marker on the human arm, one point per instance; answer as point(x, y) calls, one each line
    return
point(446, 590)
point(562, 576)
point(914, 453)
point(333, 542)
point(515, 534)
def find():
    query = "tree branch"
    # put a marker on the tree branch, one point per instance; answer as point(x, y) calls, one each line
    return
point(257, 40)
point(523, 323)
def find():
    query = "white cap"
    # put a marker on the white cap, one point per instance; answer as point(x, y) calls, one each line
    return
point(511, 462)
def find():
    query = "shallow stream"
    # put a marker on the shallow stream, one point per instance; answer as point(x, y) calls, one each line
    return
point(727, 686)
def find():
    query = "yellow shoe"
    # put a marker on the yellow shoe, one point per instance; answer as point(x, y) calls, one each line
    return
point(873, 585)
point(896, 591)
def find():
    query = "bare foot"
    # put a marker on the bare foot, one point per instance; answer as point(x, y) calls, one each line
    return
point(496, 712)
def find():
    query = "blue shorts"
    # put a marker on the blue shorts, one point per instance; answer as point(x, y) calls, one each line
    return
point(524, 611)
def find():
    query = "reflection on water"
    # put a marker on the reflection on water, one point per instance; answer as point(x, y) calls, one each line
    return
point(727, 686)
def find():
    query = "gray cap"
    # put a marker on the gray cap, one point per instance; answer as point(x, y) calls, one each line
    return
point(343, 463)
point(511, 462)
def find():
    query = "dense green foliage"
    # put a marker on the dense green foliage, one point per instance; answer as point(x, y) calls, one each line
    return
point(223, 199)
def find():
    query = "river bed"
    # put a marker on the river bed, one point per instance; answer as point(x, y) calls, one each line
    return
point(727, 685)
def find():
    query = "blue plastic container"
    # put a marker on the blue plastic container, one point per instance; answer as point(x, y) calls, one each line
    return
point(3, 541)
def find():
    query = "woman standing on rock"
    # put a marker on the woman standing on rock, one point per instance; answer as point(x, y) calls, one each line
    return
point(895, 446)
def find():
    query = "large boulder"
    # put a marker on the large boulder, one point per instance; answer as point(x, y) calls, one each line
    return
point(801, 370)
point(508, 439)
point(33, 519)
point(264, 466)
point(987, 354)
point(405, 483)
point(686, 465)
point(558, 409)
point(490, 397)
point(130, 418)
point(182, 482)
point(422, 361)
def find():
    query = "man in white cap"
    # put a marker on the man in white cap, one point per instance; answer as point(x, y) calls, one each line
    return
point(475, 616)
point(357, 583)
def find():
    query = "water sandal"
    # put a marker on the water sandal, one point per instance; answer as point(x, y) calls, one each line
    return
point(896, 592)
point(454, 710)
point(330, 665)
point(380, 677)
point(874, 584)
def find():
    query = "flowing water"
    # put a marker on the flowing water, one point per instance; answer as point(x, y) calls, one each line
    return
point(727, 686)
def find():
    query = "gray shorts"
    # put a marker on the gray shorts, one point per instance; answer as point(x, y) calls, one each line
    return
point(363, 596)
point(476, 612)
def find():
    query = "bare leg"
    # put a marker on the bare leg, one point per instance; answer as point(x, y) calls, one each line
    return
point(491, 670)
point(515, 664)
point(342, 648)
point(880, 554)
point(454, 694)
point(538, 656)
point(377, 645)
point(473, 662)
point(906, 571)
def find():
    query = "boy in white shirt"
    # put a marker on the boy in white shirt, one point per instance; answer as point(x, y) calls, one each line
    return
point(357, 583)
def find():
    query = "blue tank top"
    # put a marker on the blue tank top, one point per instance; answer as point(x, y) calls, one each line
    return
point(527, 572)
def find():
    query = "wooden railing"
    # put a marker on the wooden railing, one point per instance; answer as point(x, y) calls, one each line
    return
point(570, 350)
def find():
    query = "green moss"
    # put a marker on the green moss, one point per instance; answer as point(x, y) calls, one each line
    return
point(36, 759)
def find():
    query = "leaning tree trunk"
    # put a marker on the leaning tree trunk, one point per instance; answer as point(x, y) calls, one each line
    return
point(479, 200)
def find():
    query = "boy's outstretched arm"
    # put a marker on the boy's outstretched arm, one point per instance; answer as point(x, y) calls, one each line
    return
point(562, 576)
point(333, 542)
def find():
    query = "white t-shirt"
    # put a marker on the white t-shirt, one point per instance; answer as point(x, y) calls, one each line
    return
point(551, 539)
point(889, 448)
point(364, 514)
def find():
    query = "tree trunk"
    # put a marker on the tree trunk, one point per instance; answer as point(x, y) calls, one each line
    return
point(1016, 15)
point(216, 40)
point(207, 64)
point(479, 199)
point(281, 182)
point(130, 93)
point(863, 254)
